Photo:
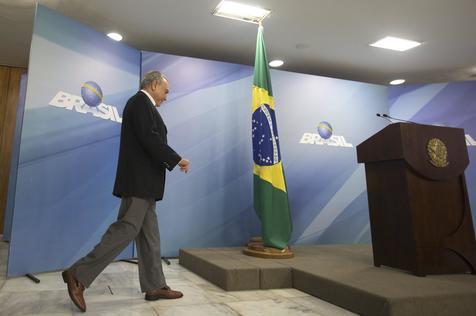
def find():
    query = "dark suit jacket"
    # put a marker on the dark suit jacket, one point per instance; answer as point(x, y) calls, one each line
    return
point(143, 154)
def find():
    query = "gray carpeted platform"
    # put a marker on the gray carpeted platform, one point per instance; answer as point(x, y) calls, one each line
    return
point(341, 274)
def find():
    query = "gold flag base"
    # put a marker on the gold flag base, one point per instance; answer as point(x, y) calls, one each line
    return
point(256, 248)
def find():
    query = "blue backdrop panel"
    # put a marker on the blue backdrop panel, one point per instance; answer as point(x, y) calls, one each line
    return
point(208, 116)
point(68, 150)
point(448, 104)
point(326, 185)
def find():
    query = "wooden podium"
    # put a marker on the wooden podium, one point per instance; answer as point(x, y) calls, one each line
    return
point(418, 202)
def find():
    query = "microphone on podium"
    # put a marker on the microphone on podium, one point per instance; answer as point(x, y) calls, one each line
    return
point(381, 116)
point(390, 118)
point(397, 119)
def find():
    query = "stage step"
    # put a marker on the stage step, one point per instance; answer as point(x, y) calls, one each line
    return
point(343, 275)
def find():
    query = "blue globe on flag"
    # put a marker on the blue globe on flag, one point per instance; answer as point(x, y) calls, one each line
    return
point(265, 138)
point(324, 129)
point(91, 93)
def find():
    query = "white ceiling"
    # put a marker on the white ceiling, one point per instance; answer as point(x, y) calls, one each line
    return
point(321, 37)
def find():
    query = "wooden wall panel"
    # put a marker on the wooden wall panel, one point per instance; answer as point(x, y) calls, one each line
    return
point(9, 94)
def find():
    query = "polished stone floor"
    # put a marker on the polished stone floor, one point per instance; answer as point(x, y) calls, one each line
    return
point(116, 292)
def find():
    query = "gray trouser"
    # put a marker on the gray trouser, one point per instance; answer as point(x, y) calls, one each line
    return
point(136, 220)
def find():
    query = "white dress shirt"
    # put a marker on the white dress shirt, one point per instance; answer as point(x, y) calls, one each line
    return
point(150, 97)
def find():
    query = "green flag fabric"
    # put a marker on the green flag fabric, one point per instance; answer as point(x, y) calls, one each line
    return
point(269, 185)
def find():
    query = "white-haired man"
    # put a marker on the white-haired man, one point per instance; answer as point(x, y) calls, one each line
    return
point(144, 156)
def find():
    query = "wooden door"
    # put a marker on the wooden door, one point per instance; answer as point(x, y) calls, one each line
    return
point(9, 95)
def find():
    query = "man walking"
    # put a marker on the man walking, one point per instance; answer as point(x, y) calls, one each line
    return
point(144, 156)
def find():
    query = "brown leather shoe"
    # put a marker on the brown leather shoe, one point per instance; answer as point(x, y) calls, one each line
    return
point(75, 290)
point(165, 292)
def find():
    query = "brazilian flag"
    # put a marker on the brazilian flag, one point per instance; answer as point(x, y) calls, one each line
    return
point(269, 186)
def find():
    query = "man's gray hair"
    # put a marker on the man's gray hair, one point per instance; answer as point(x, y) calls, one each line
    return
point(150, 77)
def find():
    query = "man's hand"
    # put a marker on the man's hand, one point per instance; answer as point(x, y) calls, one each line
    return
point(184, 165)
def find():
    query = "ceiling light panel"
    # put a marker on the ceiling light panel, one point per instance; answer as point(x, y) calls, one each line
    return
point(276, 63)
point(395, 43)
point(239, 11)
point(397, 82)
point(115, 36)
